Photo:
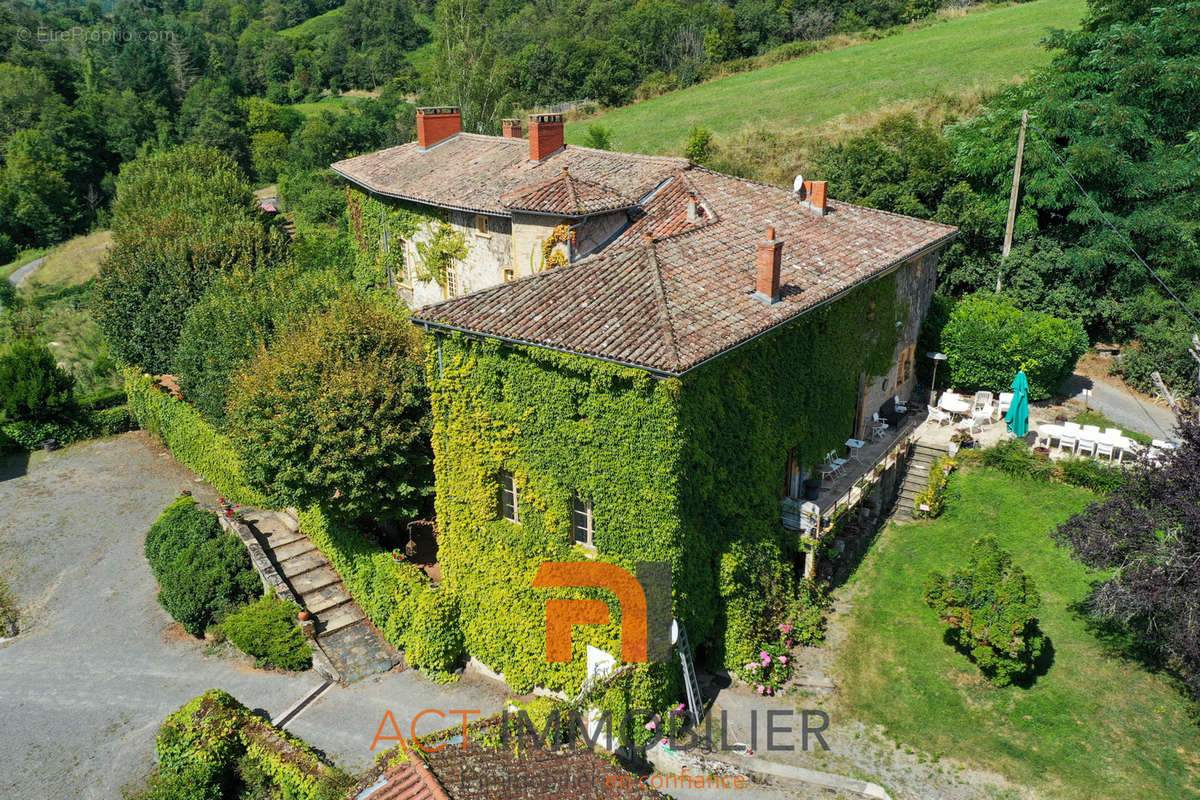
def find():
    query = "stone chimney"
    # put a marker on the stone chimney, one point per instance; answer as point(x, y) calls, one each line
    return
point(545, 135)
point(511, 129)
point(437, 124)
point(768, 261)
point(693, 210)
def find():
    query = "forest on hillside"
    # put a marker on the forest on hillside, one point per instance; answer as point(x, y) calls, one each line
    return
point(86, 87)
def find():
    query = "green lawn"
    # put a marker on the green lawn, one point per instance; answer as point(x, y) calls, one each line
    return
point(315, 26)
point(1093, 726)
point(336, 104)
point(982, 49)
point(1096, 418)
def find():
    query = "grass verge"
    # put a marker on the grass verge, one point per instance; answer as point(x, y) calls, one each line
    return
point(1095, 725)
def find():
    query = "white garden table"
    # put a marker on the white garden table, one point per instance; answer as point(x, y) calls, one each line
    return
point(1121, 444)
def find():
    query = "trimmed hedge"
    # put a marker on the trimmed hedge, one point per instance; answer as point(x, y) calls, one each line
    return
point(988, 340)
point(192, 440)
point(213, 741)
point(266, 630)
point(435, 639)
point(201, 571)
point(84, 425)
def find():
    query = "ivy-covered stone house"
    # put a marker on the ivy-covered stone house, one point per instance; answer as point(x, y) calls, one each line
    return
point(455, 212)
point(653, 400)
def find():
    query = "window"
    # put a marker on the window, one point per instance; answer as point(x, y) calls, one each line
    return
point(451, 287)
point(509, 275)
point(510, 498)
point(581, 522)
point(482, 226)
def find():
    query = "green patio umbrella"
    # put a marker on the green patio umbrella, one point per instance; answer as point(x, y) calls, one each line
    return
point(1018, 411)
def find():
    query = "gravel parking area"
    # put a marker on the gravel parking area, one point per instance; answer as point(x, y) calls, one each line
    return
point(98, 663)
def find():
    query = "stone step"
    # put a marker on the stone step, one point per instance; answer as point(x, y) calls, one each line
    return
point(325, 598)
point(313, 580)
point(292, 549)
point(338, 617)
point(274, 538)
point(306, 561)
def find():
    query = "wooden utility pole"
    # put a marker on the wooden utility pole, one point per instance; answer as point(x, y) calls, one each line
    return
point(1012, 198)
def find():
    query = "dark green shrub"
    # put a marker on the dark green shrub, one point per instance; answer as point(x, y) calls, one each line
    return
point(266, 631)
point(111, 421)
point(1014, 457)
point(102, 399)
point(32, 385)
point(989, 340)
point(1092, 475)
point(201, 571)
point(991, 610)
point(434, 642)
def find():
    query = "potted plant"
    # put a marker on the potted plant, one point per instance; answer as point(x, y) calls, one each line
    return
point(305, 615)
point(397, 555)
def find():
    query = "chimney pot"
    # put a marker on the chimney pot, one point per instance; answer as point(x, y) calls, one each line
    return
point(511, 128)
point(693, 210)
point(436, 124)
point(546, 135)
point(768, 262)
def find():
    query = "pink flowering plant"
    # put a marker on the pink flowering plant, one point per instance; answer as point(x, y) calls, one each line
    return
point(770, 669)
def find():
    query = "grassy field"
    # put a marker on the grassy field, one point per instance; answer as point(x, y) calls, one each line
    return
point(57, 300)
point(315, 26)
point(1095, 725)
point(72, 263)
point(979, 50)
point(24, 258)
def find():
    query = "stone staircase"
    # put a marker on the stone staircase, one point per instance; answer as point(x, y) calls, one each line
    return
point(916, 478)
point(342, 629)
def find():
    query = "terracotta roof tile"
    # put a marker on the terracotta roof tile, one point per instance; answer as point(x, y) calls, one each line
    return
point(669, 294)
point(470, 171)
point(567, 196)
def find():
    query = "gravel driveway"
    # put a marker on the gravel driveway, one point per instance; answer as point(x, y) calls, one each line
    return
point(98, 663)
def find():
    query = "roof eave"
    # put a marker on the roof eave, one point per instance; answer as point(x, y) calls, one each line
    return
point(500, 212)
point(659, 372)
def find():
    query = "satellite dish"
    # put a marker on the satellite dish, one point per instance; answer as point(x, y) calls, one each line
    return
point(674, 631)
point(798, 184)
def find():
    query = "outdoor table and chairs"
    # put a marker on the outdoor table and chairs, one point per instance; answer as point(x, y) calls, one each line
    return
point(856, 445)
point(1087, 440)
point(956, 405)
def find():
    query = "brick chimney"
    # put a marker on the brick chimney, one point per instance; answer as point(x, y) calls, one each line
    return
point(511, 128)
point(768, 260)
point(814, 196)
point(437, 124)
point(545, 135)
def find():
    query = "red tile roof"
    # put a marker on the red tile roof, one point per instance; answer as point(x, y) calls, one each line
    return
point(472, 172)
point(503, 772)
point(566, 196)
point(669, 294)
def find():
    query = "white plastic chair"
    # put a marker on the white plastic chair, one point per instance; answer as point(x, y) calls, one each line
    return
point(1004, 403)
point(1091, 430)
point(982, 400)
point(1066, 441)
point(880, 425)
point(838, 464)
point(1104, 449)
point(1086, 446)
point(900, 405)
point(1073, 427)
point(938, 416)
point(1113, 432)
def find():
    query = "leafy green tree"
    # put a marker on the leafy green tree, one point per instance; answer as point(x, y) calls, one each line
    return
point(180, 219)
point(598, 137)
point(268, 154)
point(32, 384)
point(41, 204)
point(901, 165)
point(239, 315)
point(26, 94)
point(336, 413)
point(991, 610)
point(212, 117)
point(699, 145)
point(468, 70)
point(987, 340)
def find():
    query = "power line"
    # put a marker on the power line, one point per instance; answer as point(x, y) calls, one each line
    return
point(1039, 133)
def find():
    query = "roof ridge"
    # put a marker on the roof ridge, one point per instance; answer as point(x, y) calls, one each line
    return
point(428, 778)
point(573, 195)
point(683, 162)
point(660, 292)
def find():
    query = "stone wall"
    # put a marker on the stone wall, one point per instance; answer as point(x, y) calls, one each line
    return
point(915, 285)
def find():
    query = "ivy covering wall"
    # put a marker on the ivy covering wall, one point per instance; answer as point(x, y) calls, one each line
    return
point(687, 471)
point(379, 229)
